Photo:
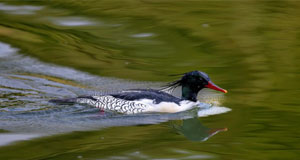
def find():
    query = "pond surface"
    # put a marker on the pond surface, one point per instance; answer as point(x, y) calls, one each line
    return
point(53, 49)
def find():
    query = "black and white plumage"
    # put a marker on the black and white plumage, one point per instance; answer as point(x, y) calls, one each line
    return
point(150, 100)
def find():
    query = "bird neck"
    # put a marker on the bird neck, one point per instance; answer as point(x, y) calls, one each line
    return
point(189, 93)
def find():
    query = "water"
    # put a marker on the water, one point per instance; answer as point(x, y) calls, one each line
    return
point(52, 49)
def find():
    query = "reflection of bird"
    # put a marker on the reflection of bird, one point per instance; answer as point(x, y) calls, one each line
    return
point(193, 130)
point(150, 100)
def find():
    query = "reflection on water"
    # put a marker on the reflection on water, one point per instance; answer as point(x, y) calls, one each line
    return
point(249, 48)
point(72, 21)
point(9, 138)
point(141, 35)
point(194, 130)
point(17, 9)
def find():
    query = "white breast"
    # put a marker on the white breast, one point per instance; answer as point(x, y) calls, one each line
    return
point(167, 107)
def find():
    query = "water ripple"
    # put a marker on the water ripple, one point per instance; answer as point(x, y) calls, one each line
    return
point(21, 9)
point(73, 21)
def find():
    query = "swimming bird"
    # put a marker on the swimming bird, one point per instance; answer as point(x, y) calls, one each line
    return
point(149, 100)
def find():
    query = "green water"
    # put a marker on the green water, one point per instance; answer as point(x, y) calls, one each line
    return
point(250, 48)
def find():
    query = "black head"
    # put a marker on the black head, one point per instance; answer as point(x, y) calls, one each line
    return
point(192, 83)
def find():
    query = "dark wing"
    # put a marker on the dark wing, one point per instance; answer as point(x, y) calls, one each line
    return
point(155, 95)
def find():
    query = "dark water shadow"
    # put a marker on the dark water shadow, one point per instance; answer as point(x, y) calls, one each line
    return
point(194, 130)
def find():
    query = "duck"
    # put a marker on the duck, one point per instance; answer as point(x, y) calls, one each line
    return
point(134, 101)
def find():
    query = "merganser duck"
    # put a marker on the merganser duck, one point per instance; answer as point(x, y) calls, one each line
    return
point(149, 100)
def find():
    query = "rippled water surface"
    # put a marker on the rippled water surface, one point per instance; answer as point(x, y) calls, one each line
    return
point(53, 49)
